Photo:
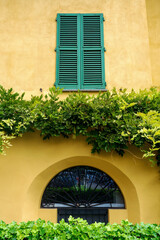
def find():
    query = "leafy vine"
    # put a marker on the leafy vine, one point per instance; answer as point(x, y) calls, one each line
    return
point(110, 121)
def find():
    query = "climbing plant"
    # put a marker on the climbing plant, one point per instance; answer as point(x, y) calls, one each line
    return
point(110, 120)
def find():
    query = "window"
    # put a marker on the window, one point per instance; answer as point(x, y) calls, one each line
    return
point(80, 51)
point(83, 191)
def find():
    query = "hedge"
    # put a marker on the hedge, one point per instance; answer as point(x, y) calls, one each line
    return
point(77, 229)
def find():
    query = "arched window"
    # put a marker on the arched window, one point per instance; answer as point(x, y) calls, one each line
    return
point(82, 188)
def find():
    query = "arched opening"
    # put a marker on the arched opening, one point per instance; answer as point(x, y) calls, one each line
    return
point(83, 191)
point(34, 192)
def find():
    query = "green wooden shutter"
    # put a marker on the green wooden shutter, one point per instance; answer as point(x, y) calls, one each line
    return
point(92, 52)
point(68, 51)
point(80, 51)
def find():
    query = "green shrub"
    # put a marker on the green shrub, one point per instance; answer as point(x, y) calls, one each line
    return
point(77, 229)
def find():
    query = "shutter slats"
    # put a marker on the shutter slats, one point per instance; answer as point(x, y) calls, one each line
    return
point(91, 31)
point(92, 67)
point(68, 67)
point(68, 31)
point(67, 54)
point(92, 58)
point(80, 51)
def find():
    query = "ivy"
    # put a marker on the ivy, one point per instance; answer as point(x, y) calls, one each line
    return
point(110, 120)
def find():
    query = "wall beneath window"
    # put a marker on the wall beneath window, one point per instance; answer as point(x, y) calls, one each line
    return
point(28, 41)
point(31, 163)
point(153, 15)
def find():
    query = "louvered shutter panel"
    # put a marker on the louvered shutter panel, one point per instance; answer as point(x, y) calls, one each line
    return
point(92, 52)
point(68, 51)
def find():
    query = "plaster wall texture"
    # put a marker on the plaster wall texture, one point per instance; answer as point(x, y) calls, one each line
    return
point(153, 15)
point(31, 163)
point(28, 62)
point(28, 40)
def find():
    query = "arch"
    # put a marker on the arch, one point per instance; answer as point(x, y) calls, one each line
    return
point(35, 190)
point(82, 187)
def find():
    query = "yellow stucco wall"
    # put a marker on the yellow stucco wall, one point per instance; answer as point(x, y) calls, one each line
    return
point(27, 63)
point(28, 40)
point(153, 15)
point(31, 163)
point(115, 215)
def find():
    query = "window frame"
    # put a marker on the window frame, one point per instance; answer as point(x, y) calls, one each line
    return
point(80, 51)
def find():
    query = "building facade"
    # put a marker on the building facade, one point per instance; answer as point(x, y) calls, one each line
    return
point(45, 43)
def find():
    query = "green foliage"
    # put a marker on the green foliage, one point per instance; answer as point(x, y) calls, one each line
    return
point(77, 229)
point(110, 121)
point(150, 131)
point(4, 138)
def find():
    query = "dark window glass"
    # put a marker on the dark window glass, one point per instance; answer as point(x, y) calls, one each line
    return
point(82, 187)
